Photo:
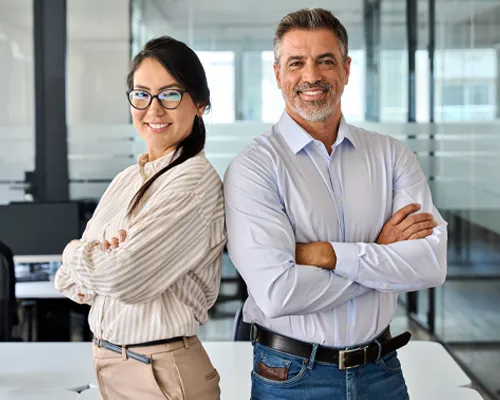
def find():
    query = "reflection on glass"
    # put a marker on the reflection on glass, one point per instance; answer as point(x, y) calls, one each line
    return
point(219, 67)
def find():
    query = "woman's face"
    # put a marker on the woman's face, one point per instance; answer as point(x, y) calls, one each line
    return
point(162, 129)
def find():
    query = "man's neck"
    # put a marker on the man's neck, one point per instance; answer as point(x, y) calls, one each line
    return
point(325, 131)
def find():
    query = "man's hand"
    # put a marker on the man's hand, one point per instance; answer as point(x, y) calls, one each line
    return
point(319, 254)
point(403, 226)
point(114, 243)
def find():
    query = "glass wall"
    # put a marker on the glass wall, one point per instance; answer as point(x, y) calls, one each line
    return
point(468, 181)
point(459, 153)
point(101, 142)
point(17, 105)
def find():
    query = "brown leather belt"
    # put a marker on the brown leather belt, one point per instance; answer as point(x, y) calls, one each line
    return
point(345, 359)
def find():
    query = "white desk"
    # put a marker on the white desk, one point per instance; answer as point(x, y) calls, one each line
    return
point(89, 394)
point(21, 394)
point(428, 369)
point(37, 290)
point(37, 259)
point(429, 362)
point(55, 366)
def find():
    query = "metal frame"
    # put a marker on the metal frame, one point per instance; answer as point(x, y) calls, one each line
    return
point(50, 181)
point(412, 37)
point(372, 27)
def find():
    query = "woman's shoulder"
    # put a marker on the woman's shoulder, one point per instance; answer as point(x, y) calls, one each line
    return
point(197, 166)
point(192, 173)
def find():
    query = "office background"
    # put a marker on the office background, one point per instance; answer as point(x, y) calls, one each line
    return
point(426, 72)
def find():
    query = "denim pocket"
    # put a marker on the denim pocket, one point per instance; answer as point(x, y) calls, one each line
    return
point(295, 368)
point(390, 363)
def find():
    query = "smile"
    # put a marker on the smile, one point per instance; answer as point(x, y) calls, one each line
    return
point(312, 92)
point(158, 126)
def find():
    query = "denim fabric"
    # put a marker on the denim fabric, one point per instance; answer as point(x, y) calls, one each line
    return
point(311, 380)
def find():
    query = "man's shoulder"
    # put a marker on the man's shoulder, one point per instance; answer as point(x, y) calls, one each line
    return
point(373, 139)
point(260, 148)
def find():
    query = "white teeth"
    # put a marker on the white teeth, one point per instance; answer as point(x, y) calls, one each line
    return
point(313, 92)
point(158, 126)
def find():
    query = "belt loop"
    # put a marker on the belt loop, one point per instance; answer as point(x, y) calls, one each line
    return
point(253, 333)
point(312, 359)
point(186, 342)
point(124, 353)
point(379, 350)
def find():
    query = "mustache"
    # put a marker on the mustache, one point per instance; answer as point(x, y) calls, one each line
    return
point(316, 85)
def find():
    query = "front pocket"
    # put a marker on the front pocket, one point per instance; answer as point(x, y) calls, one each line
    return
point(273, 369)
point(390, 363)
point(211, 375)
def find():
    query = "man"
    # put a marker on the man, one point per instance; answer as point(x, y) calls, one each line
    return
point(327, 223)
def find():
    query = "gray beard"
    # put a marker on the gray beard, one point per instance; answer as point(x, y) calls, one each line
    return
point(316, 114)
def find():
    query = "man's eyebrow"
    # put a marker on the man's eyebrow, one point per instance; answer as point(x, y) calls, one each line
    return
point(326, 55)
point(294, 58)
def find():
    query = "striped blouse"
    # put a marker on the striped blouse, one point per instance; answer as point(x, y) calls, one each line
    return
point(164, 277)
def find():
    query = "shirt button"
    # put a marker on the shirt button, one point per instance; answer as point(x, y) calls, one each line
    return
point(350, 327)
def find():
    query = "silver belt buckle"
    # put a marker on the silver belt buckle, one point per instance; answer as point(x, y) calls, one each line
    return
point(342, 354)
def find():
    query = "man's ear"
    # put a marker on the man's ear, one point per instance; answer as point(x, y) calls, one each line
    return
point(277, 75)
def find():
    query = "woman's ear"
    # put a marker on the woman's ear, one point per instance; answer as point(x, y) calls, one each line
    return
point(201, 111)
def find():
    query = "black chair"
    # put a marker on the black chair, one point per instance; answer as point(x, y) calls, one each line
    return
point(241, 329)
point(8, 307)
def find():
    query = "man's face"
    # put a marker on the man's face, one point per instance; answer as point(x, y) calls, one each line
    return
point(311, 73)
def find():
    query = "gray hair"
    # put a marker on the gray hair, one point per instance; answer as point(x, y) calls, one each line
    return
point(309, 19)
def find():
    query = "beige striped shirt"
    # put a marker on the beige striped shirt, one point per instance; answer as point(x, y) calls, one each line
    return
point(162, 280)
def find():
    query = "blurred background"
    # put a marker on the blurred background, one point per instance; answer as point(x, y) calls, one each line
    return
point(423, 71)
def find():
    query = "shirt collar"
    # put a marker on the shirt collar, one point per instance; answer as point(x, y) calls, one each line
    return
point(298, 138)
point(149, 168)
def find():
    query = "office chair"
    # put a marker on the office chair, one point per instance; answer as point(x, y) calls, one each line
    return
point(241, 329)
point(8, 307)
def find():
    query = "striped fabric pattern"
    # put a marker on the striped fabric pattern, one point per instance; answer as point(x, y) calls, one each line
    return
point(164, 277)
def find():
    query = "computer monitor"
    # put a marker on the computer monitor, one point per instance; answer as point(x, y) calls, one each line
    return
point(39, 228)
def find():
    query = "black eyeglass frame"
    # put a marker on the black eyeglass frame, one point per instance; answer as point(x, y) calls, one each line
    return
point(151, 98)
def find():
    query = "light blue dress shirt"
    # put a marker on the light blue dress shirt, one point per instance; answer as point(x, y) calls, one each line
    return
point(284, 188)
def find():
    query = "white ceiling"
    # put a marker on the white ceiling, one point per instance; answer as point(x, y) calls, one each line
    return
point(216, 22)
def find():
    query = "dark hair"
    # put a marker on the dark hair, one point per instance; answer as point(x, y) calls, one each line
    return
point(309, 19)
point(185, 67)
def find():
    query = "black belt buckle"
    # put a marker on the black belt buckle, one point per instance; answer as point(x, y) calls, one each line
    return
point(342, 358)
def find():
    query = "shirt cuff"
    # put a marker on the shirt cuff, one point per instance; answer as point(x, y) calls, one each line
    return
point(83, 295)
point(347, 260)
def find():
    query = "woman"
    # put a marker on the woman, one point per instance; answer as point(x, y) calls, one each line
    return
point(149, 262)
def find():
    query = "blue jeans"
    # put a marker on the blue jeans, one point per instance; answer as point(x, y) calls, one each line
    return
point(307, 379)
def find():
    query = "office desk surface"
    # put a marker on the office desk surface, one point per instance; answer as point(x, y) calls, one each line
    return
point(21, 394)
point(37, 290)
point(428, 368)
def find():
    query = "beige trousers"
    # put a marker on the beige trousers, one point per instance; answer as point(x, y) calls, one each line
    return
point(179, 371)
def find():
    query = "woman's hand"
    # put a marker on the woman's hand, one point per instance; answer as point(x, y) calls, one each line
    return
point(114, 243)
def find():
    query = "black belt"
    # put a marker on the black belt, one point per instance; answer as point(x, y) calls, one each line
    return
point(345, 359)
point(131, 354)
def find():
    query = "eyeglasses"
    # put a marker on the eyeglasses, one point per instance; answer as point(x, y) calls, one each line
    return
point(169, 99)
